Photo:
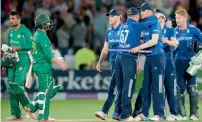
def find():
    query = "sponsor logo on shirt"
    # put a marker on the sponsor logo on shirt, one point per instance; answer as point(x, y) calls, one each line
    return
point(14, 42)
point(113, 40)
point(121, 45)
point(184, 38)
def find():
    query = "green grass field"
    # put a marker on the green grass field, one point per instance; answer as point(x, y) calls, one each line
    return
point(84, 110)
point(76, 110)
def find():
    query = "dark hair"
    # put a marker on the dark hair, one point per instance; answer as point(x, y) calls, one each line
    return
point(15, 13)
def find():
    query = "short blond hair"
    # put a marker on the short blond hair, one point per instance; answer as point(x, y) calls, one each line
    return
point(182, 12)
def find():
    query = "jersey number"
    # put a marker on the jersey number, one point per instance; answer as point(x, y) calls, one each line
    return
point(124, 36)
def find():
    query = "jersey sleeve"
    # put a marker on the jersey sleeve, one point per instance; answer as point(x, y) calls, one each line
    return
point(144, 25)
point(8, 38)
point(106, 36)
point(45, 46)
point(198, 34)
point(156, 28)
point(26, 41)
point(172, 33)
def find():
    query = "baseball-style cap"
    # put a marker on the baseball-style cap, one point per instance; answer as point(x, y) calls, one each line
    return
point(146, 6)
point(132, 11)
point(113, 12)
point(169, 18)
point(162, 12)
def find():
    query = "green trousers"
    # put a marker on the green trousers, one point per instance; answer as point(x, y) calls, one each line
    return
point(45, 87)
point(16, 77)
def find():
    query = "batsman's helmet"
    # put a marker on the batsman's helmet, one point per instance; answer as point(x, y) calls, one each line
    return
point(43, 21)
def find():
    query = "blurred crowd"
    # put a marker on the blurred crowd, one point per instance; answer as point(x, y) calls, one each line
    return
point(82, 23)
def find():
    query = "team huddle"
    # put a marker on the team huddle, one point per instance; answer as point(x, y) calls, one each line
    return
point(173, 57)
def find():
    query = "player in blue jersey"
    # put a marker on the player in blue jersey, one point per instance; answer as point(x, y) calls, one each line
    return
point(112, 42)
point(169, 44)
point(154, 68)
point(126, 64)
point(186, 33)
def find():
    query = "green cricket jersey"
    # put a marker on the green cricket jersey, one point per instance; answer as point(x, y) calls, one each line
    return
point(41, 50)
point(21, 37)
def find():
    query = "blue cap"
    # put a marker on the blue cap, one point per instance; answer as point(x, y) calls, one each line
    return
point(113, 12)
point(162, 12)
point(169, 18)
point(132, 11)
point(146, 6)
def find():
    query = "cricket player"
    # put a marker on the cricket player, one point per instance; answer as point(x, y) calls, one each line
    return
point(169, 44)
point(186, 33)
point(126, 64)
point(43, 59)
point(154, 67)
point(20, 41)
point(112, 42)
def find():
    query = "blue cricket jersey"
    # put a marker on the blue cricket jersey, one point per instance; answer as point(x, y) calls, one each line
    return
point(168, 33)
point(147, 35)
point(184, 36)
point(130, 35)
point(112, 37)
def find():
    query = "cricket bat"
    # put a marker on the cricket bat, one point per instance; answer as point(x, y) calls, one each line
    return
point(28, 83)
point(29, 80)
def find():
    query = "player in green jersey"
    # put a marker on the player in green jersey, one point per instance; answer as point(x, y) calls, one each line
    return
point(43, 59)
point(20, 41)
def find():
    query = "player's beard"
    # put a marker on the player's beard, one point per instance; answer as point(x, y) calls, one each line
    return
point(14, 25)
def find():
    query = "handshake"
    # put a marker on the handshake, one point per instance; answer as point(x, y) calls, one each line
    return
point(195, 64)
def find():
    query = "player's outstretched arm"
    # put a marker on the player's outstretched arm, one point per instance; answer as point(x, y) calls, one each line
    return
point(144, 25)
point(103, 56)
point(60, 63)
point(48, 54)
point(172, 42)
point(150, 43)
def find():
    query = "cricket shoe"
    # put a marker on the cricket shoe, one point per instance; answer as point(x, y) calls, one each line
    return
point(13, 118)
point(172, 118)
point(129, 119)
point(155, 118)
point(193, 117)
point(135, 114)
point(49, 120)
point(32, 115)
point(101, 115)
point(179, 117)
point(141, 117)
point(116, 116)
